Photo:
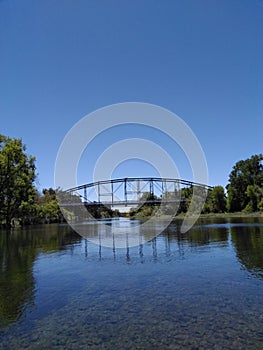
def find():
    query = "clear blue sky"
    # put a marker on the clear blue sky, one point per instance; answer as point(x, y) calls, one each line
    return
point(201, 59)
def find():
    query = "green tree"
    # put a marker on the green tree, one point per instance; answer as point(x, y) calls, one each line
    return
point(254, 193)
point(28, 213)
point(216, 201)
point(49, 194)
point(48, 209)
point(170, 207)
point(147, 196)
point(145, 207)
point(17, 175)
point(186, 196)
point(245, 173)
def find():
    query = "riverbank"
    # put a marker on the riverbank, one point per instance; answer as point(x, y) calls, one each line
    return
point(208, 216)
point(232, 215)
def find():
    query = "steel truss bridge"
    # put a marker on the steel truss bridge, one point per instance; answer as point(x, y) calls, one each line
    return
point(129, 191)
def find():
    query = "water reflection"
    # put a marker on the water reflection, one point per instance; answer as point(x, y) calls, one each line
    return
point(18, 251)
point(248, 243)
point(246, 236)
point(138, 236)
point(17, 282)
point(122, 232)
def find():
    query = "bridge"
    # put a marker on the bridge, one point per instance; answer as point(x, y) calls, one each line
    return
point(130, 192)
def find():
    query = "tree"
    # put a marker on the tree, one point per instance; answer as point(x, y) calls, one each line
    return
point(216, 201)
point(17, 175)
point(186, 196)
point(147, 196)
point(170, 207)
point(49, 194)
point(254, 193)
point(146, 206)
point(245, 173)
point(48, 209)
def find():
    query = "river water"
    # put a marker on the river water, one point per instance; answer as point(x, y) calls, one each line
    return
point(200, 290)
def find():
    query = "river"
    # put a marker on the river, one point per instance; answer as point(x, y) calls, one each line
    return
point(199, 290)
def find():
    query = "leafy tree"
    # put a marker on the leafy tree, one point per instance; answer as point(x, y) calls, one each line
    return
point(245, 173)
point(173, 202)
point(216, 201)
point(48, 209)
point(49, 194)
point(254, 194)
point(17, 174)
point(198, 199)
point(28, 213)
point(147, 196)
point(186, 196)
point(145, 209)
point(260, 204)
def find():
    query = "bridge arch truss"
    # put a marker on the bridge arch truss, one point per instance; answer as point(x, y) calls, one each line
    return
point(129, 191)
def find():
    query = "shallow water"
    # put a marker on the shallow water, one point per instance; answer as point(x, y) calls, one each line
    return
point(201, 290)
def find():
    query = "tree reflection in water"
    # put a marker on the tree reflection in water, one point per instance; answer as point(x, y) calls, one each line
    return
point(248, 243)
point(18, 250)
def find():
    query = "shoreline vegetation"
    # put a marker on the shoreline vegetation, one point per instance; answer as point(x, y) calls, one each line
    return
point(233, 215)
point(21, 202)
point(207, 216)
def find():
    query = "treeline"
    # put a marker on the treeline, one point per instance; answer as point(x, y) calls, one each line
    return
point(179, 201)
point(21, 202)
point(244, 193)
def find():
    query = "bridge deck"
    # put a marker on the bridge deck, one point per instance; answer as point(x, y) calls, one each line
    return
point(125, 203)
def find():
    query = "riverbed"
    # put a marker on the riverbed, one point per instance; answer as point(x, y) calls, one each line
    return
point(199, 290)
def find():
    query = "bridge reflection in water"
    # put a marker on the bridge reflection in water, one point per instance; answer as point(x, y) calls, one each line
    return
point(166, 244)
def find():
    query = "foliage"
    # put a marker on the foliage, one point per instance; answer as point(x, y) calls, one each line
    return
point(255, 195)
point(245, 185)
point(21, 201)
point(198, 199)
point(18, 252)
point(17, 175)
point(75, 210)
point(147, 196)
point(48, 209)
point(173, 201)
point(186, 196)
point(216, 201)
point(144, 209)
